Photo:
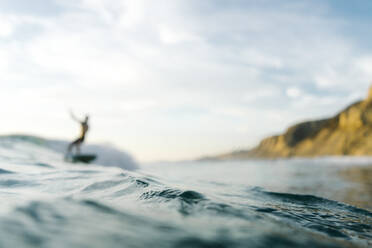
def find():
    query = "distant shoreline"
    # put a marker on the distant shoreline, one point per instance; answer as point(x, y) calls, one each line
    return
point(348, 133)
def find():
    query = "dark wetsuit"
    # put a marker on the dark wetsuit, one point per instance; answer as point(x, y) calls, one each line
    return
point(84, 130)
point(80, 140)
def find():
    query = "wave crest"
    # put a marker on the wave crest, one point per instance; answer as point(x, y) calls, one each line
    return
point(107, 155)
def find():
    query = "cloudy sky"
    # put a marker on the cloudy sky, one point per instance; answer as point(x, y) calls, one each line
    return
point(176, 79)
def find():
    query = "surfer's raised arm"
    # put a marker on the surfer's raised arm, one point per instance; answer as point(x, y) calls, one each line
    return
point(74, 117)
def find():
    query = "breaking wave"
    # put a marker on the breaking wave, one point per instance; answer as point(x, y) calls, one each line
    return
point(107, 155)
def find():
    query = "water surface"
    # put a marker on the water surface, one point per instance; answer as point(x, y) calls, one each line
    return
point(305, 203)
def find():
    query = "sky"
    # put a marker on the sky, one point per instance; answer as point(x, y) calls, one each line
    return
point(179, 79)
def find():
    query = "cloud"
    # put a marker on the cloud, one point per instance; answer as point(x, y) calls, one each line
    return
point(6, 26)
point(294, 92)
point(170, 36)
point(364, 65)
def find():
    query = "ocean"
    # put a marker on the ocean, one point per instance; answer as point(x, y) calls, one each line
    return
point(117, 202)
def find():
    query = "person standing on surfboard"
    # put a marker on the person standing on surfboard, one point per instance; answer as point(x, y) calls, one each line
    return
point(84, 129)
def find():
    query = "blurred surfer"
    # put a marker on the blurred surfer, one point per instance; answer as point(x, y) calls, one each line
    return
point(84, 129)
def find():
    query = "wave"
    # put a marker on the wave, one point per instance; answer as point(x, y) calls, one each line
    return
point(306, 212)
point(83, 223)
point(270, 219)
point(49, 203)
point(107, 155)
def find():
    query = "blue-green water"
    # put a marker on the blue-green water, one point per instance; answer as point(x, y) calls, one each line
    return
point(285, 203)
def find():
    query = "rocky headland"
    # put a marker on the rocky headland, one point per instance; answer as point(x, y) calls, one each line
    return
point(347, 133)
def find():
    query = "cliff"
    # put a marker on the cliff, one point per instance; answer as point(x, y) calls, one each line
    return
point(347, 133)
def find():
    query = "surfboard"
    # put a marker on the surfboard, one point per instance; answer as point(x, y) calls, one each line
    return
point(83, 158)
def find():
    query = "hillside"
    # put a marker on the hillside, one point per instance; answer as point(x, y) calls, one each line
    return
point(347, 133)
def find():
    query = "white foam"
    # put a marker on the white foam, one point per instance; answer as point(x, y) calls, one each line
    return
point(23, 145)
point(107, 155)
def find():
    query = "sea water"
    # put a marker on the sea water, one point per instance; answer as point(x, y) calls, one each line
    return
point(46, 202)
